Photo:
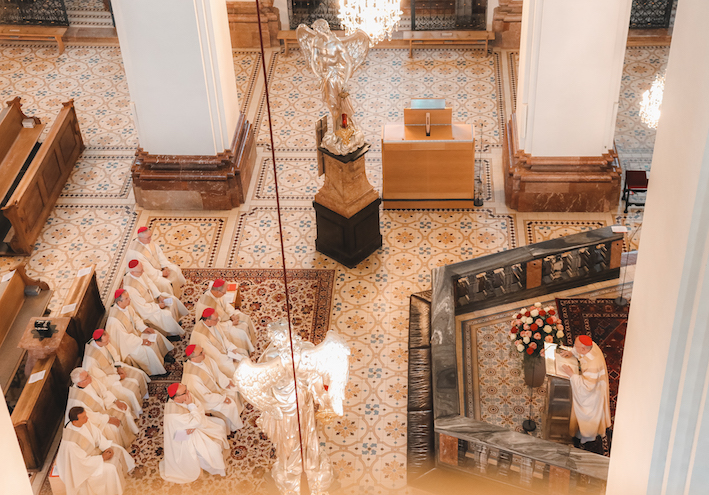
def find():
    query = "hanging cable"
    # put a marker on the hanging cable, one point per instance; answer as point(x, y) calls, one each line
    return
point(280, 229)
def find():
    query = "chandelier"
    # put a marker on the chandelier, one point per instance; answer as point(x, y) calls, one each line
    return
point(651, 102)
point(377, 18)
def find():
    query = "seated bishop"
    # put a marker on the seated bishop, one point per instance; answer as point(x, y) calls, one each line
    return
point(209, 334)
point(87, 462)
point(113, 417)
point(213, 388)
point(237, 325)
point(160, 309)
point(193, 441)
point(103, 362)
point(137, 344)
point(165, 274)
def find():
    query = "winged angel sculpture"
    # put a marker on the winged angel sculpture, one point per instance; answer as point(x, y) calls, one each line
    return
point(321, 375)
point(334, 60)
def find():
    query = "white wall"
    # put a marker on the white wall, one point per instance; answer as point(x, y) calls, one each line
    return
point(660, 440)
point(491, 4)
point(13, 473)
point(571, 62)
point(178, 61)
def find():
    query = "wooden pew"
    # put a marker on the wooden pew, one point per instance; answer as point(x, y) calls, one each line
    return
point(17, 309)
point(480, 38)
point(40, 411)
point(34, 33)
point(31, 183)
point(84, 306)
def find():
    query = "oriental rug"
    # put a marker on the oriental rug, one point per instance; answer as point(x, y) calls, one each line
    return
point(605, 323)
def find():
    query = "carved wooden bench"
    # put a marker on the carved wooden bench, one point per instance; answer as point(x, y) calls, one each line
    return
point(34, 33)
point(32, 175)
point(448, 38)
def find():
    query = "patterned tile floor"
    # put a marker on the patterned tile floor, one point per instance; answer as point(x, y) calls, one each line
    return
point(96, 216)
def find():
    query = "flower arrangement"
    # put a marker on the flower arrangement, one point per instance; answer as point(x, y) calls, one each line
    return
point(534, 326)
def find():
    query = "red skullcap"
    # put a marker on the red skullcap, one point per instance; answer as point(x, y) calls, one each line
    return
point(190, 349)
point(172, 389)
point(97, 334)
point(207, 312)
point(585, 340)
point(218, 283)
point(118, 293)
point(132, 264)
point(142, 229)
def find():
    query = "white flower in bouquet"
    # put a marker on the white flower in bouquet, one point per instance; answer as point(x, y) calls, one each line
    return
point(520, 348)
point(547, 328)
point(559, 334)
point(534, 313)
point(513, 336)
point(538, 304)
point(529, 320)
point(525, 340)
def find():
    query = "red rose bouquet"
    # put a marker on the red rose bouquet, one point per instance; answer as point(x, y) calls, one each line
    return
point(532, 327)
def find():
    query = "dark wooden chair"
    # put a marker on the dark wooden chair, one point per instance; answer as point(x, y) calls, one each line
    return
point(635, 182)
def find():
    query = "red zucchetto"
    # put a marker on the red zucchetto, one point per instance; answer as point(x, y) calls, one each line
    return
point(585, 340)
point(142, 229)
point(190, 350)
point(218, 283)
point(132, 264)
point(207, 312)
point(172, 389)
point(118, 293)
point(98, 333)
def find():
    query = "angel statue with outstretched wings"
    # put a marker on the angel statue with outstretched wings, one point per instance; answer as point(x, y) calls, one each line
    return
point(321, 377)
point(334, 60)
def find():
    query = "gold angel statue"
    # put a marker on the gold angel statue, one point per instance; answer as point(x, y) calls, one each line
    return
point(321, 376)
point(334, 60)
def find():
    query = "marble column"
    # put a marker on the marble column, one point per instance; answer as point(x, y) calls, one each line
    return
point(195, 147)
point(661, 434)
point(13, 472)
point(559, 153)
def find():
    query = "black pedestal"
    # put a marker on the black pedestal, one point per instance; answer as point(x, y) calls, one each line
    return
point(348, 240)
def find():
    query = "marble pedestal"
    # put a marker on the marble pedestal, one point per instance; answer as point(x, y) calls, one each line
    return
point(180, 182)
point(347, 209)
point(558, 183)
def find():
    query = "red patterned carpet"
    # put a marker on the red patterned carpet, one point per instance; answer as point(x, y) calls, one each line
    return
point(606, 323)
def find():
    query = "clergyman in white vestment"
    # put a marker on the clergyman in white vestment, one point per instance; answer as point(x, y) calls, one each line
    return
point(138, 344)
point(165, 274)
point(237, 326)
point(103, 363)
point(193, 441)
point(87, 462)
point(208, 333)
point(211, 387)
point(590, 410)
point(160, 309)
point(113, 417)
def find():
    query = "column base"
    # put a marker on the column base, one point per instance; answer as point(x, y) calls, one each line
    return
point(554, 184)
point(348, 240)
point(243, 24)
point(193, 182)
point(507, 24)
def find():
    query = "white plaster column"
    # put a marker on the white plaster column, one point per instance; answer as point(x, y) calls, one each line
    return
point(13, 473)
point(571, 62)
point(661, 432)
point(180, 70)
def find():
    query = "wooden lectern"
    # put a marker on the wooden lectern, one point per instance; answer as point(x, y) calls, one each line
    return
point(428, 161)
point(557, 410)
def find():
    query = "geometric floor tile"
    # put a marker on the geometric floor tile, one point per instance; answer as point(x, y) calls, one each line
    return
point(100, 177)
point(188, 241)
point(469, 80)
point(634, 221)
point(544, 230)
